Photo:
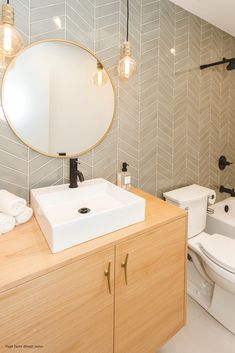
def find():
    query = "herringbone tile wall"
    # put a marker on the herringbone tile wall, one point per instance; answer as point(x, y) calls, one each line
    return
point(173, 120)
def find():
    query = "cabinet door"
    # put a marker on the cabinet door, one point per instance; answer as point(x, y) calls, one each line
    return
point(69, 310)
point(150, 305)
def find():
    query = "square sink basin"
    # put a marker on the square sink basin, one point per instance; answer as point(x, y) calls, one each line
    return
point(68, 217)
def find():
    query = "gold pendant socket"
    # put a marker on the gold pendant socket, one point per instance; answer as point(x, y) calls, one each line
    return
point(126, 49)
point(7, 14)
point(99, 65)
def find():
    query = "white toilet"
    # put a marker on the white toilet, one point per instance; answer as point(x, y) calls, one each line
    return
point(213, 256)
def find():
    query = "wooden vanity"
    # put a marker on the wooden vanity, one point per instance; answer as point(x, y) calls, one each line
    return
point(124, 292)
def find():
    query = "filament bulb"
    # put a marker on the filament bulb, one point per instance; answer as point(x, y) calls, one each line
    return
point(100, 77)
point(10, 39)
point(127, 65)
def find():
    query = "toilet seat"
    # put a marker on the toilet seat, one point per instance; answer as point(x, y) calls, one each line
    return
point(216, 268)
point(221, 250)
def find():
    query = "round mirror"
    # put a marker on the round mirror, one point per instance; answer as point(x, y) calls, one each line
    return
point(58, 98)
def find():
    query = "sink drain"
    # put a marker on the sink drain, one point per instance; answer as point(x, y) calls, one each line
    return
point(84, 210)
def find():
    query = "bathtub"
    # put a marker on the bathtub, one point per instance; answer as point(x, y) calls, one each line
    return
point(222, 221)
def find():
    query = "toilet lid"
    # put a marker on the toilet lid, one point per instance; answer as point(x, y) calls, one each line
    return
point(221, 250)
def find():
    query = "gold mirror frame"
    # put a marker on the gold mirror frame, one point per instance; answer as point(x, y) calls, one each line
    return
point(11, 64)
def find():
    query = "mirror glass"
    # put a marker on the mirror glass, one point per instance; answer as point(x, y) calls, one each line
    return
point(51, 101)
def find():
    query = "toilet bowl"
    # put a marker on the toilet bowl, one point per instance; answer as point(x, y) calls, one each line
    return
point(217, 253)
point(212, 257)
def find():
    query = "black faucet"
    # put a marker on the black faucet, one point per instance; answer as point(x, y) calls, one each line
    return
point(75, 174)
point(228, 191)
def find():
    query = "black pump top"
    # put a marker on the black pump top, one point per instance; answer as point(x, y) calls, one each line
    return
point(124, 167)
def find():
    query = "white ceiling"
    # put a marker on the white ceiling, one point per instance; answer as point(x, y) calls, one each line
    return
point(220, 13)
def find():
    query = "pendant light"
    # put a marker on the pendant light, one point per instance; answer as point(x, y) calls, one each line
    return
point(100, 77)
point(127, 65)
point(10, 39)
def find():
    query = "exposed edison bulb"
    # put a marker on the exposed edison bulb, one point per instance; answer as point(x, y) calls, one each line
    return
point(100, 77)
point(10, 39)
point(127, 65)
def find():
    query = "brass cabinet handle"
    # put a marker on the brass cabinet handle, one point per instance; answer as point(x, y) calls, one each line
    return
point(124, 265)
point(107, 274)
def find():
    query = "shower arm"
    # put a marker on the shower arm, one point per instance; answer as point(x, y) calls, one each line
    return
point(223, 61)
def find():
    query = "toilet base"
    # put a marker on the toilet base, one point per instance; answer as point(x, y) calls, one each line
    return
point(218, 302)
point(223, 308)
point(198, 288)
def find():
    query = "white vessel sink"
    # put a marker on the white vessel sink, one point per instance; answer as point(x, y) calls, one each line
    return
point(109, 208)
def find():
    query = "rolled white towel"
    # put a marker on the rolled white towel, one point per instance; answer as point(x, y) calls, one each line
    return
point(11, 204)
point(24, 216)
point(7, 223)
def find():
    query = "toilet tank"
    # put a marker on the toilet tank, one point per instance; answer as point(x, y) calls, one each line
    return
point(194, 199)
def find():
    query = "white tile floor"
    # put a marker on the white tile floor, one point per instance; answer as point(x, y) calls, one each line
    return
point(202, 334)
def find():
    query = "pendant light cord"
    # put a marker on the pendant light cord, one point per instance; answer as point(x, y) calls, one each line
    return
point(127, 20)
point(8, 1)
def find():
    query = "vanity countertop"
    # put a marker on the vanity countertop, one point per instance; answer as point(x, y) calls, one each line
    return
point(25, 255)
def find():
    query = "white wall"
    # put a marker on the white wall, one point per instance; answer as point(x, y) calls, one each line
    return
point(220, 13)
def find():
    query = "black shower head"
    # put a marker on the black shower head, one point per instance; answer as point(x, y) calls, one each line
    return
point(231, 65)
